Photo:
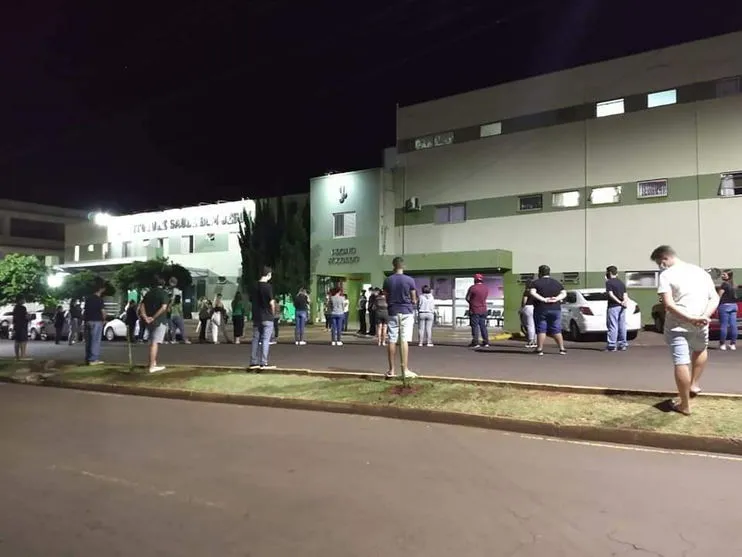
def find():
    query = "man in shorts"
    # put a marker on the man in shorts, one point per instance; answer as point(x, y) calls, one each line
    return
point(547, 294)
point(153, 311)
point(690, 298)
point(402, 300)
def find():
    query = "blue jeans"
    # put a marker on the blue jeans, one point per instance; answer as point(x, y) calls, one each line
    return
point(478, 322)
point(93, 338)
point(336, 325)
point(261, 342)
point(301, 323)
point(616, 323)
point(728, 323)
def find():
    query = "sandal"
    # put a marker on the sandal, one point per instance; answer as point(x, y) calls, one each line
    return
point(695, 393)
point(675, 407)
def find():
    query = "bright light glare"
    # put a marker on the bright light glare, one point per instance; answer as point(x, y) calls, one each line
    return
point(102, 219)
point(56, 280)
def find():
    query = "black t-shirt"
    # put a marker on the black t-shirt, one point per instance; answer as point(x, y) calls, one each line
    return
point(727, 293)
point(93, 308)
point(527, 295)
point(618, 288)
point(547, 287)
point(20, 314)
point(301, 302)
point(261, 303)
point(76, 312)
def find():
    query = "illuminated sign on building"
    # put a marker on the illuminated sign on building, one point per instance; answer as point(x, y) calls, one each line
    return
point(203, 219)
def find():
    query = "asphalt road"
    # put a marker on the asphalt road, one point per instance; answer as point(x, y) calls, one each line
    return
point(86, 475)
point(643, 367)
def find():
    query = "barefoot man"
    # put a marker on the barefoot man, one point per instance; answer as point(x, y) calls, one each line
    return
point(689, 297)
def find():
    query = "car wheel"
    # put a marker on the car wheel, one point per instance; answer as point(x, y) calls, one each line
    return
point(33, 334)
point(110, 334)
point(574, 331)
point(631, 335)
point(659, 324)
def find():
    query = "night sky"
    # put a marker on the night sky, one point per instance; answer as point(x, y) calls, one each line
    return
point(169, 104)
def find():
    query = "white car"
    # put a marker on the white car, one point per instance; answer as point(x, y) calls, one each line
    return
point(116, 328)
point(584, 313)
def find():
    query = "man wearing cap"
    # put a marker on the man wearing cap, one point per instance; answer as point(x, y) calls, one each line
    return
point(476, 296)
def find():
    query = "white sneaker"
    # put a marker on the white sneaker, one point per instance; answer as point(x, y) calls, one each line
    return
point(296, 342)
point(155, 369)
point(340, 343)
point(732, 347)
point(187, 342)
point(430, 345)
point(420, 344)
point(723, 347)
point(409, 374)
point(236, 341)
point(334, 343)
point(302, 343)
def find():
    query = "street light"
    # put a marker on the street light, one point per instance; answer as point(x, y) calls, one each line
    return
point(102, 219)
point(56, 280)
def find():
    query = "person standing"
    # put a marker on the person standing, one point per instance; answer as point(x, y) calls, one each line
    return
point(94, 315)
point(277, 316)
point(328, 310)
point(362, 304)
point(426, 317)
point(402, 299)
point(346, 312)
point(75, 320)
point(153, 311)
point(690, 298)
point(20, 328)
point(301, 306)
point(238, 316)
point(177, 323)
point(526, 316)
point(548, 294)
point(337, 316)
point(728, 331)
point(381, 319)
point(204, 315)
point(263, 312)
point(130, 318)
point(371, 308)
point(219, 320)
point(476, 296)
point(618, 301)
point(58, 324)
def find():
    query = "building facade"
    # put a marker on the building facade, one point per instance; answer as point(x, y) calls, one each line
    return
point(579, 169)
point(35, 229)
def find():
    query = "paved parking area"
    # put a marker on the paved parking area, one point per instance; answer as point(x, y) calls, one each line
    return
point(645, 366)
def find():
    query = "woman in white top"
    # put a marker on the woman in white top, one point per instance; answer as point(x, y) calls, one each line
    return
point(426, 317)
point(218, 320)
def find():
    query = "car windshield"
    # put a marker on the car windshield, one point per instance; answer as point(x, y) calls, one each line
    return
point(595, 296)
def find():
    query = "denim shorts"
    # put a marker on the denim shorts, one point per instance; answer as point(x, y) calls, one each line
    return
point(682, 343)
point(548, 321)
point(404, 320)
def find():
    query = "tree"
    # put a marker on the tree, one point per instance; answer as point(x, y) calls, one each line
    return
point(22, 275)
point(142, 274)
point(78, 285)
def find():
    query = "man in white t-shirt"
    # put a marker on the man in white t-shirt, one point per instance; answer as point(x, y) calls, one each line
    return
point(689, 297)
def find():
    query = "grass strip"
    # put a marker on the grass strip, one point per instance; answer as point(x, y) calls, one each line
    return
point(711, 417)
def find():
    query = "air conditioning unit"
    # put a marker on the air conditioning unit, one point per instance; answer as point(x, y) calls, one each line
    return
point(412, 205)
point(571, 278)
point(525, 278)
point(221, 280)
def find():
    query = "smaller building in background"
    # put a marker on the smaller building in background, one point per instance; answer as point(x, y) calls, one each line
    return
point(35, 229)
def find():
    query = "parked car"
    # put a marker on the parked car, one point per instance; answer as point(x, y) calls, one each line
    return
point(584, 313)
point(6, 321)
point(40, 326)
point(658, 317)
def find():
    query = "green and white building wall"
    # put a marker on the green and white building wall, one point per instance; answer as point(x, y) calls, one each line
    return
point(579, 169)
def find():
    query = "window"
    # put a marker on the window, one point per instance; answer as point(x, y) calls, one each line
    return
point(606, 195)
point(651, 188)
point(345, 225)
point(730, 184)
point(186, 244)
point(641, 279)
point(488, 130)
point(662, 98)
point(210, 236)
point(565, 199)
point(531, 202)
point(37, 230)
point(571, 298)
point(609, 108)
point(126, 249)
point(77, 253)
point(106, 250)
point(571, 277)
point(450, 214)
point(437, 140)
point(145, 242)
point(91, 248)
point(525, 278)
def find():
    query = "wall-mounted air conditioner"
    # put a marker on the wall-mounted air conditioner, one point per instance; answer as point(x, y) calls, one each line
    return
point(412, 205)
point(571, 278)
point(525, 278)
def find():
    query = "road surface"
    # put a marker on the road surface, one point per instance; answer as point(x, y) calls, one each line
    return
point(86, 475)
point(643, 367)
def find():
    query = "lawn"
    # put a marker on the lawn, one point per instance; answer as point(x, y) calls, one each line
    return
point(714, 417)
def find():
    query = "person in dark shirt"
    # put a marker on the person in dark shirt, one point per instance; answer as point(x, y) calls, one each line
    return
point(75, 315)
point(547, 294)
point(371, 308)
point(131, 319)
point(476, 297)
point(727, 313)
point(526, 315)
point(20, 328)
point(153, 311)
point(402, 300)
point(301, 307)
point(616, 314)
point(362, 303)
point(263, 314)
point(93, 316)
point(59, 320)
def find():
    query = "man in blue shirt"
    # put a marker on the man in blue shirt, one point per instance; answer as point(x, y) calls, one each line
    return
point(402, 300)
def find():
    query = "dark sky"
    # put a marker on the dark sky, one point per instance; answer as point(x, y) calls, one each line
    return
point(169, 104)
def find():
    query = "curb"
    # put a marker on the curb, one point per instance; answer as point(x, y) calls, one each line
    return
point(668, 441)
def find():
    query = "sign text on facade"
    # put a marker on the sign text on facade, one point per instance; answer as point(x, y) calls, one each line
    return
point(343, 256)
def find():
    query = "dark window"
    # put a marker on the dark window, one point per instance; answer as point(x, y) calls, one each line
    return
point(571, 298)
point(450, 214)
point(35, 229)
point(531, 202)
